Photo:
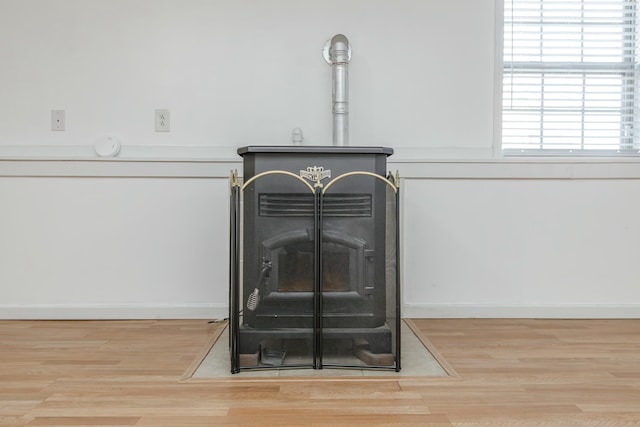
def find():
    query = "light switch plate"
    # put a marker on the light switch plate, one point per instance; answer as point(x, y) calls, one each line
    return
point(57, 120)
point(163, 121)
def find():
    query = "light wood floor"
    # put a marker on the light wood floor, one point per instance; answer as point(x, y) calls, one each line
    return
point(511, 373)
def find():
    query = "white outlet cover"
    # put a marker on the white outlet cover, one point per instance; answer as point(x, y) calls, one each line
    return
point(108, 146)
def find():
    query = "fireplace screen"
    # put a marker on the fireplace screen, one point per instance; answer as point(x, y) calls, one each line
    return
point(313, 272)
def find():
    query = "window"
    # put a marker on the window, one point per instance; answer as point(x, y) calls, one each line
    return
point(570, 83)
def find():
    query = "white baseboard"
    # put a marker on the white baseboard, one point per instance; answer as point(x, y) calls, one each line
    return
point(112, 312)
point(219, 311)
point(560, 311)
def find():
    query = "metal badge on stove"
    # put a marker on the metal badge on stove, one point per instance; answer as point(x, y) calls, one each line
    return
point(315, 173)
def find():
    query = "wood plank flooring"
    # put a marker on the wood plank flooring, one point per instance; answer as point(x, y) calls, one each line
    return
point(511, 372)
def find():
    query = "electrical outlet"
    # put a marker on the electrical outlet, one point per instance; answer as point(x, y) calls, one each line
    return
point(163, 121)
point(57, 120)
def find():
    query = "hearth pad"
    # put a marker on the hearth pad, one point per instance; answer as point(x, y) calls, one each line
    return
point(418, 360)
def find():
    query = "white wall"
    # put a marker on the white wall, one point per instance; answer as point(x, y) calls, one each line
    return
point(145, 234)
point(236, 72)
point(521, 247)
point(113, 246)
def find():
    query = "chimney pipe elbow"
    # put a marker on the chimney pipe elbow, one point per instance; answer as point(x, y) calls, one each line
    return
point(339, 50)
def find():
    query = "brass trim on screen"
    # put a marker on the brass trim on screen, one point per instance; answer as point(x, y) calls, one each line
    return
point(344, 175)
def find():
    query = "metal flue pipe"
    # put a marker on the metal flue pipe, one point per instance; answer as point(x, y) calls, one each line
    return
point(337, 53)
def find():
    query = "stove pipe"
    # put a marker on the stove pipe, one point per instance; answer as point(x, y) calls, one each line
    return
point(337, 53)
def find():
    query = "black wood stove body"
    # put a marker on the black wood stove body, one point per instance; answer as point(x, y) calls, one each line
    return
point(314, 249)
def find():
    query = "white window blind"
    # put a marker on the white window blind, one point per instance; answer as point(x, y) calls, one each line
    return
point(570, 77)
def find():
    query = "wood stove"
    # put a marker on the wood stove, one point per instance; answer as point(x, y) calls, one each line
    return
point(314, 258)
